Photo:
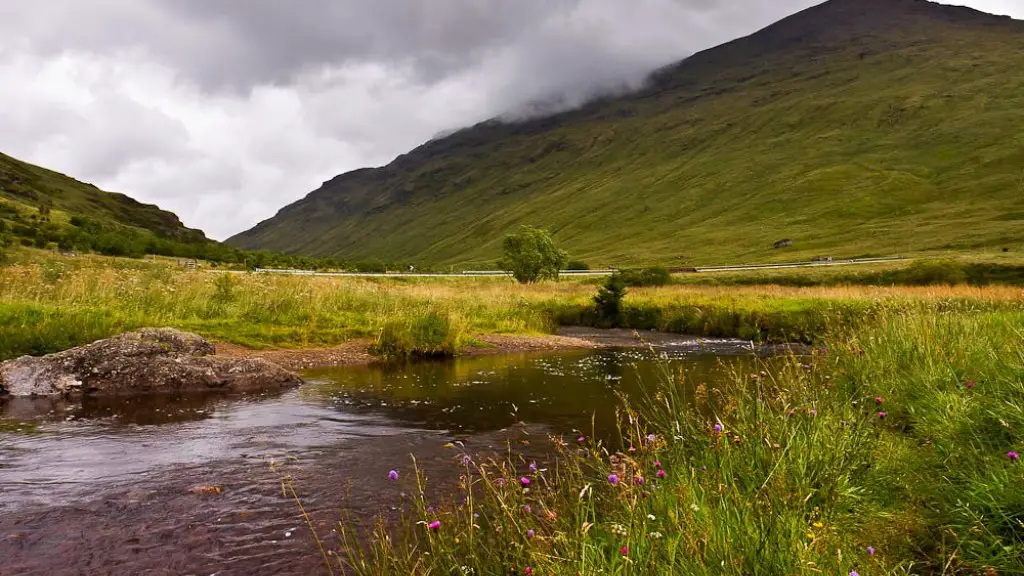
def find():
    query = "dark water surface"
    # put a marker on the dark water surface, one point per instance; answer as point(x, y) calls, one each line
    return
point(116, 485)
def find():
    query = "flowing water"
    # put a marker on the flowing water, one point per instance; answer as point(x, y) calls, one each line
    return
point(192, 484)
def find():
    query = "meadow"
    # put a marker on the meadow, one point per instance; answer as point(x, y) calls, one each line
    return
point(52, 303)
point(893, 449)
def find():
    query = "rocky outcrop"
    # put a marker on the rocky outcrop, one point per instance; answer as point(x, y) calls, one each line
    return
point(149, 360)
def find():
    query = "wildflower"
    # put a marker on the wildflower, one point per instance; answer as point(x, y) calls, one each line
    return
point(882, 415)
point(1013, 456)
point(854, 573)
point(530, 533)
point(639, 481)
point(466, 460)
point(533, 467)
point(624, 550)
point(871, 550)
point(527, 509)
point(655, 535)
point(581, 439)
point(651, 517)
point(662, 474)
point(651, 438)
point(632, 449)
point(524, 481)
point(613, 479)
point(718, 428)
point(436, 524)
point(879, 400)
point(500, 481)
point(971, 384)
point(528, 571)
point(813, 411)
point(393, 475)
point(620, 530)
point(657, 463)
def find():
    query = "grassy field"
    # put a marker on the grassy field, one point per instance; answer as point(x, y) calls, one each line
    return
point(895, 450)
point(892, 450)
point(52, 303)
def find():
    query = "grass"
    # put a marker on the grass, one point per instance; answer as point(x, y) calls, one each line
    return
point(853, 131)
point(54, 303)
point(887, 453)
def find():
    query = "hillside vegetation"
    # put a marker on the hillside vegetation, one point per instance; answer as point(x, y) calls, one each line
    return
point(35, 187)
point(858, 127)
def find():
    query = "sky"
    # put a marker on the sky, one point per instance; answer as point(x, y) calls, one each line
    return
point(224, 111)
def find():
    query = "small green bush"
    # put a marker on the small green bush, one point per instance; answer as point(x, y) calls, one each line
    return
point(434, 335)
point(577, 265)
point(645, 277)
point(608, 301)
point(929, 273)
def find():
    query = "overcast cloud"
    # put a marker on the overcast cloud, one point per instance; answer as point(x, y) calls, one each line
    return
point(226, 110)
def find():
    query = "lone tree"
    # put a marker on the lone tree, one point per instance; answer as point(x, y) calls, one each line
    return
point(531, 256)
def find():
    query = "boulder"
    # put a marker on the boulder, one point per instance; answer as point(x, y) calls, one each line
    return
point(148, 360)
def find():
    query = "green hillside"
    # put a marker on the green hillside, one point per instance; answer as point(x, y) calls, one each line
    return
point(24, 186)
point(857, 127)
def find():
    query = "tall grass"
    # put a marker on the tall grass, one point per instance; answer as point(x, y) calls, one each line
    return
point(54, 304)
point(886, 453)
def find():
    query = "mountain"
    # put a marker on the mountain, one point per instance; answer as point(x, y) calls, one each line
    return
point(23, 184)
point(856, 127)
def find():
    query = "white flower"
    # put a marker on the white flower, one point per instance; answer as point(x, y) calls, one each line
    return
point(651, 517)
point(694, 507)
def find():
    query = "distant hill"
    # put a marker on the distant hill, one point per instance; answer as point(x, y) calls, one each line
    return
point(24, 184)
point(857, 127)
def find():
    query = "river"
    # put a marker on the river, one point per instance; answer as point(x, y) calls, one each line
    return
point(192, 485)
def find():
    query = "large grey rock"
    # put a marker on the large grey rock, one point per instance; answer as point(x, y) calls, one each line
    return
point(149, 360)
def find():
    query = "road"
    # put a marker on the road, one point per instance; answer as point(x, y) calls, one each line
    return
point(588, 273)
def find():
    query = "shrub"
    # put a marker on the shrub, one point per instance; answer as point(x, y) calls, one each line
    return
point(577, 265)
point(929, 273)
point(608, 301)
point(645, 277)
point(434, 335)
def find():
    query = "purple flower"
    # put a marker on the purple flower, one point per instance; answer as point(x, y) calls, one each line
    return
point(524, 481)
point(651, 438)
point(661, 474)
point(639, 480)
point(971, 384)
point(871, 550)
point(657, 463)
point(1013, 456)
point(882, 415)
point(528, 571)
point(613, 479)
point(632, 449)
point(393, 475)
point(879, 400)
point(527, 509)
point(718, 428)
point(466, 460)
point(436, 524)
point(624, 550)
point(530, 533)
point(533, 467)
point(813, 411)
point(581, 439)
point(854, 573)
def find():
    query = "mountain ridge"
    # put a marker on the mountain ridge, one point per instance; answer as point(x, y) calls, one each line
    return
point(845, 62)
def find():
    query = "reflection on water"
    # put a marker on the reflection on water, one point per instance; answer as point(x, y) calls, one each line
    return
point(63, 449)
point(568, 391)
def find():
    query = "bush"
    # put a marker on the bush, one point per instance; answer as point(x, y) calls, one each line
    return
point(577, 265)
point(434, 335)
point(929, 273)
point(645, 277)
point(608, 301)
